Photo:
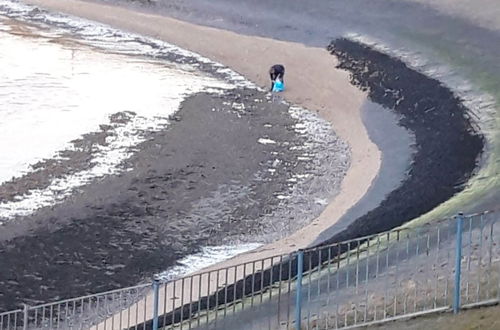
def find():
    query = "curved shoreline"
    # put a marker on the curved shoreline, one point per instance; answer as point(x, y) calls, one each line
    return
point(182, 31)
point(447, 143)
point(313, 82)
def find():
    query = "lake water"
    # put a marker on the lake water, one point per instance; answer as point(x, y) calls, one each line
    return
point(53, 91)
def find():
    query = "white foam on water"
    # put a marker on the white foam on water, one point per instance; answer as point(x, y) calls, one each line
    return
point(266, 141)
point(209, 255)
point(105, 36)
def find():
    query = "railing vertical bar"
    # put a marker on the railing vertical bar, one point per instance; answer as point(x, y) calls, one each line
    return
point(25, 317)
point(156, 297)
point(144, 315)
point(387, 252)
point(43, 316)
point(357, 268)
point(36, 317)
point(271, 278)
point(208, 298)
point(328, 280)
point(82, 306)
point(253, 284)
point(271, 271)
point(234, 291)
point(105, 303)
point(216, 296)
point(319, 271)
point(436, 270)
point(92, 304)
point(182, 302)
point(298, 300)
point(112, 311)
point(377, 268)
point(488, 287)
point(261, 280)
point(338, 270)
point(165, 301)
point(289, 288)
point(58, 315)
point(347, 265)
point(458, 264)
point(417, 252)
point(309, 282)
point(367, 270)
point(469, 257)
point(280, 277)
point(198, 319)
point(498, 275)
point(438, 263)
point(480, 260)
point(191, 280)
point(309, 289)
point(51, 317)
point(448, 233)
point(174, 297)
point(429, 300)
point(137, 312)
point(226, 281)
point(129, 310)
point(396, 277)
point(408, 240)
point(121, 309)
point(243, 294)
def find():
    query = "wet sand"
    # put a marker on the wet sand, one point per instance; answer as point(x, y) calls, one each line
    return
point(203, 181)
point(312, 82)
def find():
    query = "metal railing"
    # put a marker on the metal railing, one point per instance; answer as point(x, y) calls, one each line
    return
point(446, 265)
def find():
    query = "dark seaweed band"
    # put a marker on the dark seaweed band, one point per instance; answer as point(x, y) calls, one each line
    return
point(447, 143)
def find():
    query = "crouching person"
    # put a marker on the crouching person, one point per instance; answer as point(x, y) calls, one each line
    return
point(277, 73)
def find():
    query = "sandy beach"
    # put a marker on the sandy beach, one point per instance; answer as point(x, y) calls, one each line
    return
point(438, 155)
point(313, 82)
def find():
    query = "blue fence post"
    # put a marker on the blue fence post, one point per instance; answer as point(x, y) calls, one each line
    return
point(458, 263)
point(298, 300)
point(156, 291)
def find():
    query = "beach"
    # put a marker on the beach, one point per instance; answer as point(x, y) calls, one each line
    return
point(85, 217)
point(331, 83)
point(336, 100)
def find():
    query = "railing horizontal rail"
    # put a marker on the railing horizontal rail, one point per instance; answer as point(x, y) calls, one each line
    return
point(367, 280)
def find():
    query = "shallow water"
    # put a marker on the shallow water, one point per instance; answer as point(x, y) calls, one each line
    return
point(53, 91)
